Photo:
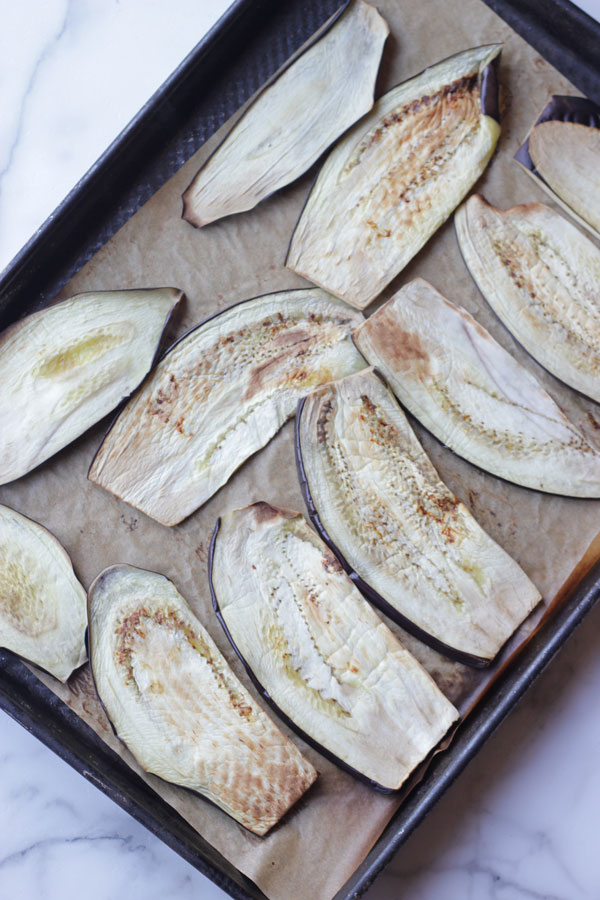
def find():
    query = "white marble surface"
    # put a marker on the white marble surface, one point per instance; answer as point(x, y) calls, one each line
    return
point(72, 75)
point(522, 820)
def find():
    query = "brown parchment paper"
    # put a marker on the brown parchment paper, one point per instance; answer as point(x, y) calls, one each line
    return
point(328, 834)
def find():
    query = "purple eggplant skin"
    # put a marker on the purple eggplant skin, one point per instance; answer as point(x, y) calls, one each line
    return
point(173, 317)
point(348, 319)
point(25, 659)
point(478, 468)
point(372, 596)
point(180, 787)
point(490, 106)
point(159, 352)
point(518, 343)
point(561, 109)
point(120, 739)
point(160, 355)
point(488, 90)
point(265, 694)
point(88, 646)
point(321, 32)
point(174, 314)
point(190, 791)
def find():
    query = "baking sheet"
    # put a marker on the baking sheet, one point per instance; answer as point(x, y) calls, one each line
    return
point(339, 819)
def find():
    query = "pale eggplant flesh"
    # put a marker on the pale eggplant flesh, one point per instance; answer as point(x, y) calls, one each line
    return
point(562, 154)
point(465, 388)
point(541, 276)
point(408, 543)
point(219, 395)
point(64, 368)
point(394, 179)
point(177, 706)
point(42, 604)
point(318, 651)
point(294, 119)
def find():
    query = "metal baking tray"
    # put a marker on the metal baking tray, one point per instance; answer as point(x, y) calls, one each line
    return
point(246, 46)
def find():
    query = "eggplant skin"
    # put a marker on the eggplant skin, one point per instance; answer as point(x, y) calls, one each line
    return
point(294, 119)
point(408, 543)
point(64, 368)
point(177, 706)
point(562, 154)
point(219, 395)
point(318, 652)
point(540, 275)
point(397, 176)
point(463, 386)
point(42, 604)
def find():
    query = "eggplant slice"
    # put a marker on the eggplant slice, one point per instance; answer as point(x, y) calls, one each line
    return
point(178, 707)
point(541, 276)
point(391, 182)
point(65, 367)
point(295, 118)
point(42, 604)
point(475, 397)
point(562, 155)
point(318, 651)
point(219, 395)
point(408, 543)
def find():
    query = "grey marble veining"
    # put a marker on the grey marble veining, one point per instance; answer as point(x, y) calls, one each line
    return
point(72, 75)
point(60, 837)
point(521, 823)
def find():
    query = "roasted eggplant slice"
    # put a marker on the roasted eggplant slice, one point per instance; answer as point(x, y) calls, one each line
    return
point(42, 605)
point(318, 651)
point(474, 396)
point(178, 707)
point(64, 368)
point(219, 395)
point(294, 119)
point(396, 177)
point(408, 543)
point(562, 154)
point(541, 276)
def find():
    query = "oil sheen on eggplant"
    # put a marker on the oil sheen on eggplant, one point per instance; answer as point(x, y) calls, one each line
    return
point(541, 276)
point(219, 395)
point(562, 154)
point(178, 707)
point(318, 651)
point(390, 183)
point(409, 543)
point(42, 604)
point(295, 118)
point(475, 397)
point(65, 367)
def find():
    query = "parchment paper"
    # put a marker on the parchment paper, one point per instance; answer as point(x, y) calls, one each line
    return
point(328, 834)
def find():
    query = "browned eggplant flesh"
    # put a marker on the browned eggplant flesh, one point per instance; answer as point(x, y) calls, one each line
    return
point(541, 276)
point(178, 707)
point(317, 649)
point(390, 183)
point(463, 386)
point(219, 395)
point(411, 546)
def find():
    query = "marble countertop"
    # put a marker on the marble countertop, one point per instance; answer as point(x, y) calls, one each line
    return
point(521, 822)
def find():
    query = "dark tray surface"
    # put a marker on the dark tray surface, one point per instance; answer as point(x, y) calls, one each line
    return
point(256, 37)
